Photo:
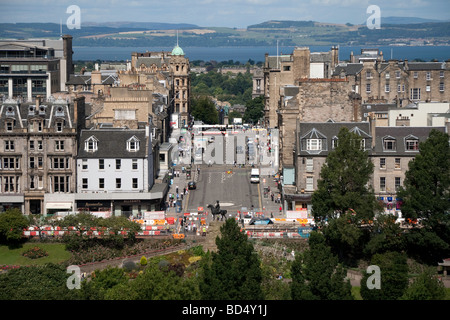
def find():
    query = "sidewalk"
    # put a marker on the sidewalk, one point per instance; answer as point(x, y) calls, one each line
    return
point(269, 206)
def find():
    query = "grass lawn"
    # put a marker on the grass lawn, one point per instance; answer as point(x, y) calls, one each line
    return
point(56, 254)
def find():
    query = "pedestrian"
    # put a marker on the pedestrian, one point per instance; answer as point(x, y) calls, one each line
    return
point(177, 189)
point(271, 195)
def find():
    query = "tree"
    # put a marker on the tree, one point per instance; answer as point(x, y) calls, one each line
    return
point(385, 235)
point(254, 110)
point(47, 282)
point(12, 223)
point(425, 195)
point(203, 109)
point(425, 287)
point(343, 184)
point(317, 275)
point(394, 277)
point(234, 272)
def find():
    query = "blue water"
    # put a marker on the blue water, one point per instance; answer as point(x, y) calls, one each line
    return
point(243, 54)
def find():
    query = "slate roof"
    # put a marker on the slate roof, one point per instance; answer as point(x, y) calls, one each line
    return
point(400, 134)
point(112, 143)
point(47, 111)
point(349, 69)
point(329, 130)
point(413, 66)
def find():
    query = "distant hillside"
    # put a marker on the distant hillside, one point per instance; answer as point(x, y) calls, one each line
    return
point(278, 24)
point(140, 25)
point(406, 20)
point(268, 33)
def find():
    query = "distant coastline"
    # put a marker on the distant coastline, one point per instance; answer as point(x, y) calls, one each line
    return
point(256, 53)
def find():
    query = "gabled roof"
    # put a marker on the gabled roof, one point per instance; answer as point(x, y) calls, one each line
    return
point(413, 66)
point(400, 134)
point(349, 69)
point(112, 143)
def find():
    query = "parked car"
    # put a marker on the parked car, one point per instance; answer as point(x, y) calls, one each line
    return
point(192, 185)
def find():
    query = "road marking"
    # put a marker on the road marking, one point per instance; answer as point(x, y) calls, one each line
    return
point(259, 196)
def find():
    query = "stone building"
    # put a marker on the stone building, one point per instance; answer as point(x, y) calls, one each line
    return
point(37, 151)
point(175, 66)
point(394, 81)
point(285, 70)
point(35, 67)
point(390, 149)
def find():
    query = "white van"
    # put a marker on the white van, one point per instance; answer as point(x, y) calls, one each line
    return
point(254, 176)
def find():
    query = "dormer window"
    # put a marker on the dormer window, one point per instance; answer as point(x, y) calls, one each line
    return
point(91, 144)
point(59, 111)
point(133, 144)
point(389, 144)
point(411, 143)
point(314, 142)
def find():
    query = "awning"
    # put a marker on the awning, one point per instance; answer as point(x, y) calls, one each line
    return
point(59, 205)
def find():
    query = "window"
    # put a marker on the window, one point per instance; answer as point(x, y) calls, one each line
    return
point(59, 145)
point(441, 86)
point(84, 184)
point(40, 146)
point(134, 164)
point(60, 163)
point(118, 164)
point(10, 163)
point(368, 88)
point(415, 93)
point(382, 163)
point(101, 164)
point(32, 184)
point(61, 184)
point(428, 75)
point(397, 74)
point(314, 144)
point(59, 126)
point(412, 144)
point(416, 74)
point(441, 74)
point(84, 164)
point(32, 164)
point(397, 183)
point(286, 68)
point(397, 162)
point(31, 144)
point(91, 144)
point(9, 145)
point(334, 143)
point(368, 75)
point(309, 164)
point(133, 144)
point(387, 88)
point(428, 88)
point(10, 184)
point(388, 76)
point(118, 183)
point(389, 144)
point(9, 125)
point(101, 183)
point(40, 162)
point(382, 183)
point(135, 183)
point(309, 183)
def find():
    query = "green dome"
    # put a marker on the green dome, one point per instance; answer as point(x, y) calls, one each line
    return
point(177, 51)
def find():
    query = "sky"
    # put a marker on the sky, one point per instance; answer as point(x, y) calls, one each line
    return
point(219, 13)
